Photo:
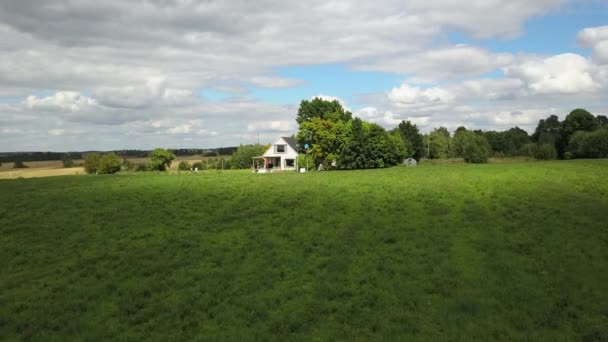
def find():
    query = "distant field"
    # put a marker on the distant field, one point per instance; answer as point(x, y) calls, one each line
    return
point(515, 251)
point(55, 167)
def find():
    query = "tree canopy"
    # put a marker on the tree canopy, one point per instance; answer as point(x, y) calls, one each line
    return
point(160, 159)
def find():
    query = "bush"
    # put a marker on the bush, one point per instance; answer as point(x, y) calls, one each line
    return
point(476, 149)
point(302, 162)
point(568, 156)
point(160, 159)
point(19, 165)
point(128, 165)
point(91, 162)
point(108, 164)
point(197, 166)
point(141, 167)
point(589, 144)
point(67, 161)
point(184, 166)
point(545, 152)
point(242, 157)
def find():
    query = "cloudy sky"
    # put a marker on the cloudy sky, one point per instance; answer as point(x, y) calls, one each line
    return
point(113, 74)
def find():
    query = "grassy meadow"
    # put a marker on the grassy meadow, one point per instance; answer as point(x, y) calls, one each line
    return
point(513, 251)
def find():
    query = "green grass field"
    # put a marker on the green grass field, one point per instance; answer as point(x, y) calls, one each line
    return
point(443, 252)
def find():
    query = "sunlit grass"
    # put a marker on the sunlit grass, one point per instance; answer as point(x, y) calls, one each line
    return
point(439, 252)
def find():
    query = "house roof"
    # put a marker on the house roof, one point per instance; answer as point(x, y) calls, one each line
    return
point(292, 142)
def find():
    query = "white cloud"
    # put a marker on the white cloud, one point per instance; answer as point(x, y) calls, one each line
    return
point(272, 126)
point(445, 63)
point(56, 131)
point(274, 82)
point(61, 101)
point(595, 38)
point(409, 96)
point(136, 82)
point(565, 73)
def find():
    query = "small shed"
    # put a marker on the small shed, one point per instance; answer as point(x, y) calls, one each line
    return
point(410, 162)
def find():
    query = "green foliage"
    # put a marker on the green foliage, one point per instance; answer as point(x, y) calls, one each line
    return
point(577, 120)
point(510, 252)
point(184, 166)
point(326, 138)
point(19, 165)
point(476, 149)
point(306, 162)
point(198, 166)
point(440, 143)
point(242, 158)
point(322, 109)
point(412, 139)
point(67, 161)
point(545, 152)
point(548, 130)
point(109, 163)
point(128, 165)
point(589, 144)
point(160, 159)
point(508, 143)
point(91, 162)
point(141, 167)
point(540, 151)
point(371, 146)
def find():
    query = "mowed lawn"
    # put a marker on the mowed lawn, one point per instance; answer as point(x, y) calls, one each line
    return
point(443, 252)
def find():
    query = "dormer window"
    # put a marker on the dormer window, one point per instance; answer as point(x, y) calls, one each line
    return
point(279, 148)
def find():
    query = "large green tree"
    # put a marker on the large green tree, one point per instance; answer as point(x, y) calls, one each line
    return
point(160, 159)
point(242, 158)
point(440, 143)
point(323, 109)
point(109, 163)
point(548, 131)
point(326, 138)
point(412, 138)
point(91, 162)
point(578, 120)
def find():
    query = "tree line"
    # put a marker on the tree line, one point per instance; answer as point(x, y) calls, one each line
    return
point(338, 140)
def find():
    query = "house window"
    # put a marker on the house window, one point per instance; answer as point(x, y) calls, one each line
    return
point(289, 163)
point(279, 148)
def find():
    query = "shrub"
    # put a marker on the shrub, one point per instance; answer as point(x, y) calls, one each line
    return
point(476, 150)
point(128, 165)
point(67, 161)
point(242, 157)
point(568, 156)
point(141, 167)
point(302, 162)
point(91, 162)
point(108, 164)
point(19, 165)
point(589, 144)
point(197, 166)
point(183, 166)
point(160, 159)
point(545, 152)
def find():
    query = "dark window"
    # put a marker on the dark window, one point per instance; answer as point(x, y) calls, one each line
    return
point(280, 148)
point(289, 163)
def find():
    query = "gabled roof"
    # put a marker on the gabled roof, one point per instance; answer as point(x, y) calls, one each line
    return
point(292, 142)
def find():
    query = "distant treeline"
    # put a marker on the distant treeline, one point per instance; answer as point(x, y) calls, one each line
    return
point(11, 157)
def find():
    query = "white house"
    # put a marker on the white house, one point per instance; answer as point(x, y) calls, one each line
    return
point(282, 155)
